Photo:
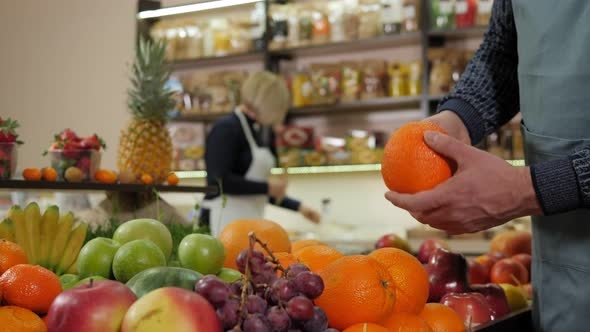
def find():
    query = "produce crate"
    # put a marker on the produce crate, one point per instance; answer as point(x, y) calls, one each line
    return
point(520, 321)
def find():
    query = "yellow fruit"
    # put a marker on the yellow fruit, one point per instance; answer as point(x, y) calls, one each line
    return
point(74, 174)
point(517, 298)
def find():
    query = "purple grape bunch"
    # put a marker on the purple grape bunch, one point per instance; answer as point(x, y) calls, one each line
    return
point(262, 301)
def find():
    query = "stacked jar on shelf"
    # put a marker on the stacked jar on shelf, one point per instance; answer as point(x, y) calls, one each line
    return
point(451, 14)
point(313, 23)
point(326, 84)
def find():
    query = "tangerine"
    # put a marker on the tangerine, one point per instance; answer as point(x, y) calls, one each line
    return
point(32, 174)
point(235, 238)
point(441, 318)
point(299, 244)
point(286, 259)
point(357, 289)
point(105, 176)
point(406, 322)
point(30, 286)
point(49, 174)
point(16, 319)
point(366, 327)
point(172, 179)
point(317, 257)
point(409, 165)
point(147, 179)
point(11, 254)
point(410, 277)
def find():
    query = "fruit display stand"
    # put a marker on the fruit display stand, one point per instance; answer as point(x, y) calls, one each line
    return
point(519, 321)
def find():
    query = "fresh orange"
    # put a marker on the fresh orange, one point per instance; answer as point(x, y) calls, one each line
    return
point(147, 179)
point(357, 289)
point(32, 174)
point(317, 257)
point(285, 259)
point(30, 286)
point(11, 254)
point(409, 165)
point(105, 176)
point(366, 327)
point(441, 318)
point(406, 322)
point(16, 319)
point(410, 277)
point(296, 245)
point(235, 238)
point(172, 179)
point(49, 174)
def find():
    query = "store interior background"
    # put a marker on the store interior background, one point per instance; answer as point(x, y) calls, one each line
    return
point(65, 64)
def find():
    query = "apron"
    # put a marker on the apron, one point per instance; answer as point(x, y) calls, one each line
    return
point(243, 206)
point(554, 80)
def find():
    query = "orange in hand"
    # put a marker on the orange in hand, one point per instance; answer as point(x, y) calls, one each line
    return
point(317, 257)
point(409, 165)
point(30, 286)
point(410, 277)
point(16, 319)
point(32, 174)
point(441, 318)
point(366, 327)
point(405, 322)
point(11, 254)
point(357, 289)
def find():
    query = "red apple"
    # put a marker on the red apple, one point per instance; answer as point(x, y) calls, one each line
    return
point(525, 260)
point(392, 241)
point(509, 271)
point(428, 247)
point(478, 274)
point(171, 309)
point(91, 307)
point(512, 243)
point(447, 273)
point(472, 307)
point(496, 298)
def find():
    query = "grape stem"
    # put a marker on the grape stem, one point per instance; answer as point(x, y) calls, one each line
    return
point(246, 284)
point(273, 259)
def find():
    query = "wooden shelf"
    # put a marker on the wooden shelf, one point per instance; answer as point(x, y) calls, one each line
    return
point(217, 61)
point(91, 186)
point(459, 33)
point(404, 39)
point(381, 104)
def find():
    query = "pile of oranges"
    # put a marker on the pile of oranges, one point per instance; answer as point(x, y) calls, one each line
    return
point(384, 291)
point(26, 291)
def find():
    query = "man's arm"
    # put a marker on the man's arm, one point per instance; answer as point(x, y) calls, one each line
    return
point(486, 96)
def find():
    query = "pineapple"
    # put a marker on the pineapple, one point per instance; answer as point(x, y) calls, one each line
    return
point(145, 146)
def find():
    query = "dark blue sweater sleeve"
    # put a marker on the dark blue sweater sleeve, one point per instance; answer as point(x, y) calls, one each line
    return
point(221, 153)
point(287, 203)
point(487, 96)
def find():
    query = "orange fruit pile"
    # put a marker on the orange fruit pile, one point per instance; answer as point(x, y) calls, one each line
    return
point(30, 286)
point(409, 165)
point(406, 322)
point(299, 244)
point(366, 327)
point(15, 319)
point(11, 254)
point(441, 318)
point(317, 257)
point(235, 238)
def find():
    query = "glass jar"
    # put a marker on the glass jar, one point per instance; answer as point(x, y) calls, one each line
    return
point(88, 161)
point(415, 78)
point(370, 20)
point(293, 29)
point(443, 14)
point(336, 19)
point(279, 27)
point(8, 157)
point(320, 27)
point(305, 26)
point(484, 12)
point(465, 13)
point(221, 37)
point(301, 89)
point(194, 47)
point(391, 16)
point(398, 81)
point(351, 21)
point(440, 77)
point(411, 16)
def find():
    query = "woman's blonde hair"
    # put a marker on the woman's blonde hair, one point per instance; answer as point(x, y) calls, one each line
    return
point(266, 94)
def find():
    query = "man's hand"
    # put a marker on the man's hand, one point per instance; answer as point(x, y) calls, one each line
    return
point(452, 124)
point(309, 214)
point(484, 192)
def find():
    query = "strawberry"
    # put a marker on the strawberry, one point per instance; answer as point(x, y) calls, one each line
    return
point(84, 164)
point(93, 142)
point(8, 131)
point(71, 150)
point(69, 135)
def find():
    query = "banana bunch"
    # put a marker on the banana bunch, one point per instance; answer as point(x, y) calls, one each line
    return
point(49, 240)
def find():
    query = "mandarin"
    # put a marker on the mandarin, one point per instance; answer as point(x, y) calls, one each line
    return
point(105, 176)
point(30, 286)
point(16, 319)
point(235, 238)
point(172, 179)
point(366, 327)
point(32, 174)
point(441, 318)
point(357, 289)
point(317, 257)
point(406, 322)
point(49, 174)
point(11, 254)
point(286, 259)
point(299, 244)
point(410, 277)
point(409, 165)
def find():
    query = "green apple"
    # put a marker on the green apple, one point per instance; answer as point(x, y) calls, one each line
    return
point(517, 299)
point(202, 253)
point(145, 229)
point(136, 256)
point(96, 258)
point(87, 280)
point(229, 275)
point(68, 281)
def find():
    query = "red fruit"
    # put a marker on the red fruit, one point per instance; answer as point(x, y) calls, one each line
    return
point(472, 307)
point(509, 271)
point(71, 150)
point(84, 164)
point(525, 260)
point(69, 135)
point(478, 274)
point(8, 130)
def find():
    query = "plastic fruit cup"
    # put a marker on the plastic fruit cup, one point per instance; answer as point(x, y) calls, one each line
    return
point(88, 161)
point(7, 160)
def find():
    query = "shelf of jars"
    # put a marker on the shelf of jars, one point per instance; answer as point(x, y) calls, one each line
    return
point(459, 33)
point(370, 105)
point(230, 59)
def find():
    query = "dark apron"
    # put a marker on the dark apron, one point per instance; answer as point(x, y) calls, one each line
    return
point(554, 80)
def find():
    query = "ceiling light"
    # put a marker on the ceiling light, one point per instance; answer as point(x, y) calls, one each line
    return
point(197, 7)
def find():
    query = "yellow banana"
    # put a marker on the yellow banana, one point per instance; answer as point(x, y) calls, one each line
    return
point(7, 230)
point(17, 215)
point(73, 269)
point(49, 223)
point(64, 227)
point(33, 225)
point(75, 242)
